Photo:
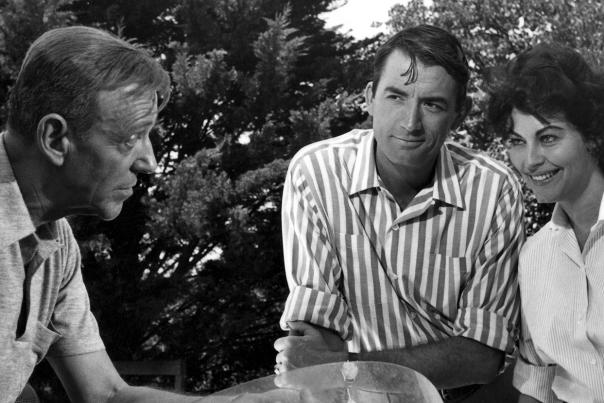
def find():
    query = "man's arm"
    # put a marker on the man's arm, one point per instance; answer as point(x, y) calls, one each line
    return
point(449, 363)
point(312, 267)
point(92, 378)
point(527, 399)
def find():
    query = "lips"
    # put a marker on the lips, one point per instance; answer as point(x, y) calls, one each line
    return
point(410, 142)
point(543, 177)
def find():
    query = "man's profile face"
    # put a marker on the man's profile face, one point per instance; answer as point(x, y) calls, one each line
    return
point(411, 120)
point(103, 163)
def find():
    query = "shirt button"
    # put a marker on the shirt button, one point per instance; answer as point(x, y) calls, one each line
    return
point(395, 227)
point(593, 361)
point(393, 276)
point(413, 315)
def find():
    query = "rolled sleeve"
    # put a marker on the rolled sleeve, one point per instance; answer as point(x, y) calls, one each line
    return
point(319, 308)
point(489, 305)
point(533, 376)
point(535, 380)
point(486, 327)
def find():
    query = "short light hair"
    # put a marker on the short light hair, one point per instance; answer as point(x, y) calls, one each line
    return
point(65, 69)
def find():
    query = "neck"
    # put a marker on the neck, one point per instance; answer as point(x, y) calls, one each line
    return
point(404, 182)
point(30, 174)
point(583, 210)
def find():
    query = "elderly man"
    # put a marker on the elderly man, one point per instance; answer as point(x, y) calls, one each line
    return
point(79, 119)
point(396, 243)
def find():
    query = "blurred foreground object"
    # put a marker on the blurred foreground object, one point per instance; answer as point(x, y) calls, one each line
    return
point(340, 382)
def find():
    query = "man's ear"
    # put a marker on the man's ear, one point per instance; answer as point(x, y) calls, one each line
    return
point(51, 136)
point(463, 112)
point(369, 97)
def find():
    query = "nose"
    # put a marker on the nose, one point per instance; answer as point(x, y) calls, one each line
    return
point(534, 157)
point(411, 121)
point(145, 162)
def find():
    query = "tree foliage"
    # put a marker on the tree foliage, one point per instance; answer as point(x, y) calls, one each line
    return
point(192, 268)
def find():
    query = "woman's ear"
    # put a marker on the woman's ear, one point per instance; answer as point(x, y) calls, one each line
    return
point(51, 137)
point(369, 97)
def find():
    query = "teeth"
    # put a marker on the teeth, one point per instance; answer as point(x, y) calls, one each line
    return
point(544, 176)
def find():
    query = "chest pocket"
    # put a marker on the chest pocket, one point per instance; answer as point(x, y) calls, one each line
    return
point(444, 279)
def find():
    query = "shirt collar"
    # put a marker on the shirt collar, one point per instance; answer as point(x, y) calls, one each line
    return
point(601, 212)
point(15, 221)
point(364, 173)
point(446, 185)
point(560, 219)
point(446, 188)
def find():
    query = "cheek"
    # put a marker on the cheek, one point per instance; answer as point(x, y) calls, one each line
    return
point(516, 158)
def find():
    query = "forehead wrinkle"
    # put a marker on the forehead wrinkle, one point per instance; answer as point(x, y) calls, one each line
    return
point(123, 112)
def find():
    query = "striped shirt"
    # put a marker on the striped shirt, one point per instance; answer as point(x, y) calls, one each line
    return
point(562, 290)
point(384, 278)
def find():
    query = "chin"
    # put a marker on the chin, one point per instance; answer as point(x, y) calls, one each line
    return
point(111, 213)
point(541, 198)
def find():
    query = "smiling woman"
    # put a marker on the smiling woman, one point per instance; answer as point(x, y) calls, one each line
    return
point(548, 105)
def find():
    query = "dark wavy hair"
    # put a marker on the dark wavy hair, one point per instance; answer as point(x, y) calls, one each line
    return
point(432, 46)
point(545, 81)
point(65, 69)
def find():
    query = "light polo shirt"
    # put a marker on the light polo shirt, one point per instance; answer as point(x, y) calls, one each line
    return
point(562, 294)
point(383, 278)
point(44, 306)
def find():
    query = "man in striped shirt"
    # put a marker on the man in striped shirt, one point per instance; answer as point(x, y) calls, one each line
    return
point(400, 247)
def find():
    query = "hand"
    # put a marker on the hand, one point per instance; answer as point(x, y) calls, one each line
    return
point(308, 347)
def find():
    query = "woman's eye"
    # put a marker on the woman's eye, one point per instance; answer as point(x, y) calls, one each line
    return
point(548, 138)
point(512, 142)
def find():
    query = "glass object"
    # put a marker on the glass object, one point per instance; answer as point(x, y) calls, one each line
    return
point(341, 382)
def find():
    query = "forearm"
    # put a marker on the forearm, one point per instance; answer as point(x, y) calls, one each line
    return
point(132, 394)
point(450, 363)
point(527, 399)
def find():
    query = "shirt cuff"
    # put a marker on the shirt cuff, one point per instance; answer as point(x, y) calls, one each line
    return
point(535, 381)
point(485, 327)
point(318, 308)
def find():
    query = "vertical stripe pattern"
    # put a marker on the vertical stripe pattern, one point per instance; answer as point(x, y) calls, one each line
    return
point(385, 278)
point(562, 290)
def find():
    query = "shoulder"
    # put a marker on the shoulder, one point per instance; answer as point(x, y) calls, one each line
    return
point(65, 233)
point(537, 246)
point(463, 156)
point(70, 259)
point(336, 149)
point(478, 163)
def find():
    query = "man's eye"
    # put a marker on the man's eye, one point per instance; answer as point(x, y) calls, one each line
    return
point(131, 141)
point(393, 97)
point(434, 107)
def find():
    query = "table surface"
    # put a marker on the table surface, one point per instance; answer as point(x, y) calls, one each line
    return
point(346, 382)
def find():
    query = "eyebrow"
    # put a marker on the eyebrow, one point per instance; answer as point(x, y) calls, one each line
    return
point(430, 98)
point(544, 128)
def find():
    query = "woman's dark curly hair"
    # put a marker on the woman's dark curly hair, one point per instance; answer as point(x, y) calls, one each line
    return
point(545, 81)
